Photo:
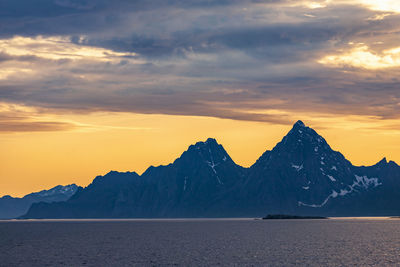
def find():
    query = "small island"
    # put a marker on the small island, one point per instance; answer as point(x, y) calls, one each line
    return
point(291, 217)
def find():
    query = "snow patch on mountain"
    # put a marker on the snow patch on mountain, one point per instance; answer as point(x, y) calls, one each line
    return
point(212, 164)
point(184, 183)
point(361, 181)
point(65, 190)
point(334, 194)
point(366, 182)
point(331, 178)
point(297, 167)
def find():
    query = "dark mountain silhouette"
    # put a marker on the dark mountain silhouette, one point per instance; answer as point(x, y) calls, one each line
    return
point(301, 175)
point(190, 186)
point(194, 183)
point(11, 207)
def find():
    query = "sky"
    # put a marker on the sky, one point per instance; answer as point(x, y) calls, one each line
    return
point(89, 86)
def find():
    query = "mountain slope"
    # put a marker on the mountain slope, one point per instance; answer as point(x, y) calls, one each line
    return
point(102, 198)
point(11, 207)
point(188, 187)
point(380, 197)
point(302, 172)
point(301, 175)
point(192, 184)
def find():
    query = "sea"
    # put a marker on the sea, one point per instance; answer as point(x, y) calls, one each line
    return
point(201, 242)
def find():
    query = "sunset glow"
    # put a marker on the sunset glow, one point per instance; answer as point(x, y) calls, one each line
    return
point(362, 57)
point(382, 5)
point(55, 48)
point(85, 89)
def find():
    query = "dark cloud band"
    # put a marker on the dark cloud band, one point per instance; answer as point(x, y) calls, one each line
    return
point(226, 59)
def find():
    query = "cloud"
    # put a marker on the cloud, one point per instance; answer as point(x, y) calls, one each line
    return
point(18, 118)
point(382, 5)
point(362, 57)
point(241, 60)
point(33, 126)
point(56, 48)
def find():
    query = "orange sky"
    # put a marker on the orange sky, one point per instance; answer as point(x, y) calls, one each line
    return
point(32, 161)
point(81, 95)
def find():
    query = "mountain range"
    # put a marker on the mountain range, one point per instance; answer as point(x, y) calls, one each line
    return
point(12, 207)
point(301, 175)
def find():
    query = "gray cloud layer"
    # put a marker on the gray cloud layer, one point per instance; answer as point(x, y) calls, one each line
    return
point(225, 59)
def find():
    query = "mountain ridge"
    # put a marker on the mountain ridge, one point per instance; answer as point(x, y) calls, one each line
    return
point(11, 207)
point(301, 175)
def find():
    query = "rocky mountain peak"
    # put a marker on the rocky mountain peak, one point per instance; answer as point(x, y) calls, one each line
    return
point(209, 143)
point(67, 190)
point(299, 123)
point(209, 151)
point(302, 139)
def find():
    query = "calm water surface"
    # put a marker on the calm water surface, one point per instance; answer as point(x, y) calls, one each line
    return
point(334, 242)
